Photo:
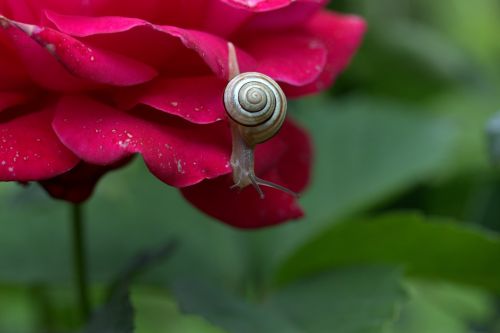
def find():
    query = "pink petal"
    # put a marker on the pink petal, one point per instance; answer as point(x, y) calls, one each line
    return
point(87, 62)
point(210, 48)
point(196, 99)
point(264, 5)
point(286, 160)
point(224, 20)
point(293, 58)
point(217, 17)
point(342, 35)
point(243, 209)
point(84, 26)
point(213, 50)
point(292, 16)
point(31, 11)
point(20, 9)
point(42, 67)
point(177, 152)
point(13, 73)
point(78, 184)
point(29, 148)
point(10, 99)
point(135, 38)
point(173, 12)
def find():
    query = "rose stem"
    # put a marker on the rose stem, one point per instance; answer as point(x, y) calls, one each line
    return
point(79, 260)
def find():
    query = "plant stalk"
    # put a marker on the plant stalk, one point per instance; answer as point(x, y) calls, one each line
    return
point(80, 260)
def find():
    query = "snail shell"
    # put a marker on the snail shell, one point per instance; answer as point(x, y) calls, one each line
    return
point(257, 104)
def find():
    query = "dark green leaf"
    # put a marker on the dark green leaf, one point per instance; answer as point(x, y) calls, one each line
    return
point(228, 311)
point(443, 308)
point(17, 311)
point(156, 312)
point(353, 300)
point(432, 248)
point(117, 315)
point(357, 300)
point(140, 264)
point(368, 150)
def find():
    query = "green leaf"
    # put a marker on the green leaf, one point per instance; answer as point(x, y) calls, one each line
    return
point(473, 26)
point(431, 248)
point(156, 312)
point(117, 316)
point(443, 308)
point(470, 112)
point(17, 310)
point(368, 150)
point(228, 311)
point(143, 262)
point(354, 300)
point(439, 56)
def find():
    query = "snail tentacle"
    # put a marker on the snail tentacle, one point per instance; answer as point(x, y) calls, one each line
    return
point(234, 67)
point(262, 182)
point(256, 107)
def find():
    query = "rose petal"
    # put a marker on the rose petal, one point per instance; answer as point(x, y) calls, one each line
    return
point(89, 63)
point(224, 20)
point(30, 11)
point(13, 73)
point(41, 66)
point(173, 12)
point(212, 49)
point(342, 35)
point(18, 9)
point(92, 63)
point(78, 184)
point(245, 209)
point(196, 99)
point(10, 99)
point(84, 26)
point(210, 16)
point(135, 38)
point(264, 5)
point(293, 58)
point(29, 148)
point(293, 154)
point(179, 153)
point(292, 16)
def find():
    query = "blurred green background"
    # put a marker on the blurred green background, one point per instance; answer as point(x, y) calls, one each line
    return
point(402, 215)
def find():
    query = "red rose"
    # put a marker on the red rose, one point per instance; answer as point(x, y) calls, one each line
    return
point(86, 84)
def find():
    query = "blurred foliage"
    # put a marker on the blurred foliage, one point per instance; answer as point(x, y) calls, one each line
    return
point(433, 248)
point(402, 214)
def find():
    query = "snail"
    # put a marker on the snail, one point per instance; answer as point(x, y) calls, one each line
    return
point(256, 106)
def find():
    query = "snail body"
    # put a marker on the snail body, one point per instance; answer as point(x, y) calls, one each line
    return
point(256, 106)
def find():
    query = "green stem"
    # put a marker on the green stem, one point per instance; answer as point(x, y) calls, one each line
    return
point(79, 260)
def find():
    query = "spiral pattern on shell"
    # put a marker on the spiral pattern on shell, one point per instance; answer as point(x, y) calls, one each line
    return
point(257, 103)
